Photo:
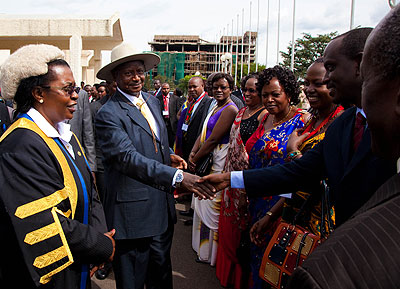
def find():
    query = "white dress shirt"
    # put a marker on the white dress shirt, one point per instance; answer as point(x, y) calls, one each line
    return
point(63, 131)
point(133, 99)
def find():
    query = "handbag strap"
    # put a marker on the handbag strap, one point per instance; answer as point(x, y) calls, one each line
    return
point(301, 246)
point(303, 208)
point(326, 220)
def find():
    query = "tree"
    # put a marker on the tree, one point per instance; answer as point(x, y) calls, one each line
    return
point(184, 82)
point(148, 83)
point(307, 50)
point(245, 68)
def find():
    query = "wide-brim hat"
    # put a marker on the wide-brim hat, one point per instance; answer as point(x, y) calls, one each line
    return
point(125, 53)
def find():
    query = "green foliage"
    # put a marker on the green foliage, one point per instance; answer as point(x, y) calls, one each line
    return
point(245, 68)
point(307, 50)
point(184, 83)
point(148, 83)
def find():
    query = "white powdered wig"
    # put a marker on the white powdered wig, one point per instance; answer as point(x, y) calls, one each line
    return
point(27, 61)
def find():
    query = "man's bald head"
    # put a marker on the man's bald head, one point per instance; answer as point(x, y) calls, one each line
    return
point(380, 70)
point(195, 87)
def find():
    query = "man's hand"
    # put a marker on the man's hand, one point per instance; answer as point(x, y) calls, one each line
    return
point(295, 140)
point(97, 267)
point(218, 181)
point(178, 162)
point(201, 190)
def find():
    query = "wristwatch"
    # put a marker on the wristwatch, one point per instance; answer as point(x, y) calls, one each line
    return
point(178, 179)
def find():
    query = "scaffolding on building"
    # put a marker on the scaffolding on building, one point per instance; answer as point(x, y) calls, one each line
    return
point(183, 55)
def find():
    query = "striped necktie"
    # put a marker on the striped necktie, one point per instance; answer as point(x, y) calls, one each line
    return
point(144, 109)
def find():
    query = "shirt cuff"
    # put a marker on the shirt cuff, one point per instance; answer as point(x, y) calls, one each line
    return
point(287, 196)
point(237, 181)
point(174, 178)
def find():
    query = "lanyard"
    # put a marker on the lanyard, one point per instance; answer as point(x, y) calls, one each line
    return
point(165, 98)
point(190, 110)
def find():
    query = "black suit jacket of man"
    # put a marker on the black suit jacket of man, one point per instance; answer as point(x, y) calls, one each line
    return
point(364, 252)
point(139, 202)
point(195, 126)
point(352, 177)
point(175, 103)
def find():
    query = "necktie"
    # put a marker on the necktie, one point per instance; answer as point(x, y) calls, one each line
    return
point(359, 127)
point(166, 102)
point(146, 113)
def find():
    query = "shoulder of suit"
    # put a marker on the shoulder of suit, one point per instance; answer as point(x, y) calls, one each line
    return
point(145, 94)
point(344, 118)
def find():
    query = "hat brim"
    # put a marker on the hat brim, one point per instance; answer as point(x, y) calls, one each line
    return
point(150, 60)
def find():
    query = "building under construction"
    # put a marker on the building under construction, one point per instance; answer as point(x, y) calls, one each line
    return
point(189, 54)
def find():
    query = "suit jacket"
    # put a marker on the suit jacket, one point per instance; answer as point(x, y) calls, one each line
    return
point(237, 101)
point(238, 93)
point(195, 126)
point(352, 177)
point(175, 103)
point(364, 252)
point(81, 125)
point(138, 201)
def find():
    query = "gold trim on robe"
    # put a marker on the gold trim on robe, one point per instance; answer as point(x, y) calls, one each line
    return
point(69, 191)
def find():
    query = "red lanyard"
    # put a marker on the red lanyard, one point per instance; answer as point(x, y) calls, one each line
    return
point(322, 124)
point(189, 112)
point(165, 97)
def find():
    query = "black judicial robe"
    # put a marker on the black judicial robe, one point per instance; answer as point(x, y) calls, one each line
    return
point(52, 222)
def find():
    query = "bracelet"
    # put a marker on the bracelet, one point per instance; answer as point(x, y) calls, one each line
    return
point(292, 155)
point(269, 213)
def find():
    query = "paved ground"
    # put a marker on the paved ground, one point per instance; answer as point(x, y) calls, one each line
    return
point(187, 273)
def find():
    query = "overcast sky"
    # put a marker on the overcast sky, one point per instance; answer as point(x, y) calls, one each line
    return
point(141, 20)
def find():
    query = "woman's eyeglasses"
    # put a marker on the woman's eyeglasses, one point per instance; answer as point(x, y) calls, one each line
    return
point(68, 89)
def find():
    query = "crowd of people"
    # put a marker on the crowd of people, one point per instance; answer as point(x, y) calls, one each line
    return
point(89, 175)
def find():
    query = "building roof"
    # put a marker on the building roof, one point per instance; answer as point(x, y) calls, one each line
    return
point(96, 32)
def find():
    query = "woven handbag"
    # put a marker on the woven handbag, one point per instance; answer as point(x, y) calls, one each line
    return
point(290, 246)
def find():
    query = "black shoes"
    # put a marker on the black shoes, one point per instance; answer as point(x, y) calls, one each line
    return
point(188, 213)
point(198, 260)
point(102, 273)
point(188, 222)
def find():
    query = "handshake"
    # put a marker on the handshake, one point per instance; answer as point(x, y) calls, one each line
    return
point(206, 187)
point(203, 187)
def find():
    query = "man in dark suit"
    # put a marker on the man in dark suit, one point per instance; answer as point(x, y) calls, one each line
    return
point(195, 114)
point(353, 173)
point(169, 105)
point(364, 252)
point(82, 126)
point(141, 173)
point(157, 87)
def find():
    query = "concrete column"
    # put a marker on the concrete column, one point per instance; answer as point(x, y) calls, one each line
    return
point(97, 62)
point(166, 49)
point(75, 47)
point(84, 74)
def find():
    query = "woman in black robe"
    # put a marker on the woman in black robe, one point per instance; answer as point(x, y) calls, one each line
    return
point(52, 223)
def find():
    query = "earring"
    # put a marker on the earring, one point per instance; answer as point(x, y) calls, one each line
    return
point(40, 100)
